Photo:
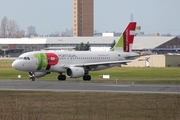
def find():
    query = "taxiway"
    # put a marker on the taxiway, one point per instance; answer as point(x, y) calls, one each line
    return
point(59, 86)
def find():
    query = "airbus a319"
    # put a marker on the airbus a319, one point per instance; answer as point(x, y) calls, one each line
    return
point(77, 63)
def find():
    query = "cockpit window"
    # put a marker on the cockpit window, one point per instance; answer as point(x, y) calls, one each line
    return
point(21, 57)
point(24, 58)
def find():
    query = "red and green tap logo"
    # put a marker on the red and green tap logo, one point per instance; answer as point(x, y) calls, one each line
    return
point(46, 60)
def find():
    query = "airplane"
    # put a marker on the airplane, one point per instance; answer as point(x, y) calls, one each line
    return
point(77, 64)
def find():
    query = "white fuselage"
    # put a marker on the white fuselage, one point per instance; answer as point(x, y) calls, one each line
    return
point(29, 61)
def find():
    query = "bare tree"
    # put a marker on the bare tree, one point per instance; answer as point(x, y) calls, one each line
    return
point(4, 27)
point(9, 28)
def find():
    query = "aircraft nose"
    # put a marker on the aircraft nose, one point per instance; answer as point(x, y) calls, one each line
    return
point(20, 65)
point(15, 65)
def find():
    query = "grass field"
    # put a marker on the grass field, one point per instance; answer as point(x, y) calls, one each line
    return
point(123, 74)
point(20, 105)
point(26, 105)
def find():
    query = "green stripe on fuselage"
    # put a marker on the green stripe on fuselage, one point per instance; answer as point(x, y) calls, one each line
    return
point(42, 60)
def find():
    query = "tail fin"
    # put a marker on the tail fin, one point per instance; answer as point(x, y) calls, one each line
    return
point(126, 39)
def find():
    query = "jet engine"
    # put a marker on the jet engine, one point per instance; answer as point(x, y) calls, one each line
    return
point(37, 74)
point(75, 72)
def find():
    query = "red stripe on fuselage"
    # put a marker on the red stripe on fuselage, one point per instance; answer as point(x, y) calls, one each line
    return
point(52, 60)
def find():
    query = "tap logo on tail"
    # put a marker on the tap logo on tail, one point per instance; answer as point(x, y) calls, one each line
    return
point(126, 39)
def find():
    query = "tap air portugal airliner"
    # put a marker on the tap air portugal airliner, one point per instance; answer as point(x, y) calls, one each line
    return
point(77, 63)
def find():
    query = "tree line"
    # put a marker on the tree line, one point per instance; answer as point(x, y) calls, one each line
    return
point(86, 47)
point(83, 47)
point(9, 29)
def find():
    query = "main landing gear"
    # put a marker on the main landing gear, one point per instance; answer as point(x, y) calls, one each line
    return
point(61, 77)
point(86, 77)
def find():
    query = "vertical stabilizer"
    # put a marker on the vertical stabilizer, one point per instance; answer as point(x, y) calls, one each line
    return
point(126, 39)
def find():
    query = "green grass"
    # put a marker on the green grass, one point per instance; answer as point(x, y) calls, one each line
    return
point(23, 105)
point(124, 75)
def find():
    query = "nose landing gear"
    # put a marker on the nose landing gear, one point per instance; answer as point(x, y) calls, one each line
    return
point(32, 78)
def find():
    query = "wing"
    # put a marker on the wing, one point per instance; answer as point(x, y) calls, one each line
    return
point(98, 63)
point(104, 63)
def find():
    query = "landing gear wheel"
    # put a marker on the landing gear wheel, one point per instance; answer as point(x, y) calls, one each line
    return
point(64, 77)
point(32, 78)
point(61, 77)
point(86, 77)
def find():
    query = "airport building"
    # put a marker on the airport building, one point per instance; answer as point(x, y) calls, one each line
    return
point(83, 18)
point(166, 49)
point(13, 47)
point(159, 60)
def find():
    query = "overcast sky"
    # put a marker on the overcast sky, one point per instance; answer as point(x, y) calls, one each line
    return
point(49, 16)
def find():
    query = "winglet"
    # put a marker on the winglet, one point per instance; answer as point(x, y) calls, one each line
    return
point(126, 39)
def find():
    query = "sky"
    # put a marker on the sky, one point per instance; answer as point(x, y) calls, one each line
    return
point(50, 16)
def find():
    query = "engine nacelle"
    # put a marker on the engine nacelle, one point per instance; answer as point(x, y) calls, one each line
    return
point(75, 72)
point(37, 74)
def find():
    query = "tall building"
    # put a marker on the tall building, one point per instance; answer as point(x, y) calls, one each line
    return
point(83, 17)
point(30, 30)
point(22, 33)
point(67, 33)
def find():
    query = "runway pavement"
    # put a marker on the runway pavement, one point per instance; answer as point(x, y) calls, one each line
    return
point(61, 86)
